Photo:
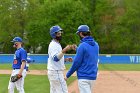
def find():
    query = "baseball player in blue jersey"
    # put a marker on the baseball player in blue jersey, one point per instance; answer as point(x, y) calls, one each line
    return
point(56, 61)
point(85, 61)
point(19, 67)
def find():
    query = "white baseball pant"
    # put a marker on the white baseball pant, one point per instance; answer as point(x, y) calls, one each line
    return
point(18, 84)
point(57, 82)
point(86, 86)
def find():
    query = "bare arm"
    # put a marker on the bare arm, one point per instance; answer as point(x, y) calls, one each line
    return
point(22, 67)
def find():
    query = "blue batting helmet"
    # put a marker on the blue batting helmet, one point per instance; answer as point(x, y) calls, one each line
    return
point(55, 29)
point(17, 39)
point(83, 28)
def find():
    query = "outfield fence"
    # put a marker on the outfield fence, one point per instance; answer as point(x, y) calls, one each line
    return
point(103, 58)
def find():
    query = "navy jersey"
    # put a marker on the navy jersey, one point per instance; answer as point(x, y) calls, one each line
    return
point(20, 55)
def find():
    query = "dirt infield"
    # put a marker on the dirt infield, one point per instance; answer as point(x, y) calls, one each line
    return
point(118, 82)
point(107, 82)
point(31, 72)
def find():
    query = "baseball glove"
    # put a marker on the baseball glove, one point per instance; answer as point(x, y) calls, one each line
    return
point(15, 78)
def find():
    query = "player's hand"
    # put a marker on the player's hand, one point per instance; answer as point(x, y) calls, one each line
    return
point(69, 59)
point(67, 48)
point(65, 78)
point(74, 47)
point(20, 73)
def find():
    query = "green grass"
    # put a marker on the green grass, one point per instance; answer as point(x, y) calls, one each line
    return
point(103, 67)
point(119, 67)
point(5, 66)
point(40, 84)
point(33, 83)
point(32, 66)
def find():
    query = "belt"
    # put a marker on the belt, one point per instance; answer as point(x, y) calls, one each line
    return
point(16, 68)
point(55, 70)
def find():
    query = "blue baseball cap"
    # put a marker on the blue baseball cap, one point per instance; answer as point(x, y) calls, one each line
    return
point(83, 28)
point(17, 39)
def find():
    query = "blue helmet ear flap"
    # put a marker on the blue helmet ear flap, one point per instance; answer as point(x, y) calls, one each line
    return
point(53, 30)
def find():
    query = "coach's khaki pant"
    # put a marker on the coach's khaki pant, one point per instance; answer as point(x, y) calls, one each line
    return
point(57, 82)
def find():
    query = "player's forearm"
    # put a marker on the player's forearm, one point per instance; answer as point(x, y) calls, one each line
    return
point(22, 67)
point(60, 55)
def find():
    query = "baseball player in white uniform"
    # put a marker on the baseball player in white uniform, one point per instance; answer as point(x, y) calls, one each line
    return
point(56, 62)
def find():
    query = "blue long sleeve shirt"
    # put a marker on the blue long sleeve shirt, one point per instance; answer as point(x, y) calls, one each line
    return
point(86, 60)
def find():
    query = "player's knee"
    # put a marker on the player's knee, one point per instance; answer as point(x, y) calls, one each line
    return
point(10, 90)
point(20, 90)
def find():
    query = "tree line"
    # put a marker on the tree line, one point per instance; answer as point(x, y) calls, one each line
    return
point(115, 24)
